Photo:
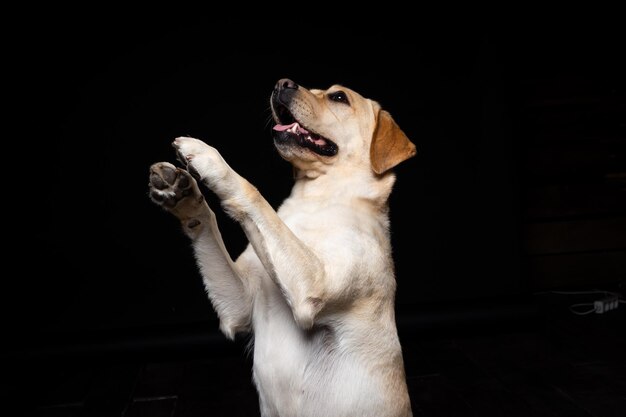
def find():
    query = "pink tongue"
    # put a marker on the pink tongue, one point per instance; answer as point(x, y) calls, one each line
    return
point(282, 128)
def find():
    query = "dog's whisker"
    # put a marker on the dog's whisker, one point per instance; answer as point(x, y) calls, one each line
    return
point(270, 118)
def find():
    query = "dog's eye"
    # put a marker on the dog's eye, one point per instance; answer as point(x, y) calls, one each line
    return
point(339, 96)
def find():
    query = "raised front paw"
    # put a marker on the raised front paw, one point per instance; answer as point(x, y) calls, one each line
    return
point(175, 190)
point(202, 161)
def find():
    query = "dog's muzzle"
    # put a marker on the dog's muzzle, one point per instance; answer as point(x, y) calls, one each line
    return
point(288, 129)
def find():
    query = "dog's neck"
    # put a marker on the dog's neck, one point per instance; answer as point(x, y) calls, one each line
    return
point(373, 188)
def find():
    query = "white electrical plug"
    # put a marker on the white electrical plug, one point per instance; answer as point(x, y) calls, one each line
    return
point(606, 304)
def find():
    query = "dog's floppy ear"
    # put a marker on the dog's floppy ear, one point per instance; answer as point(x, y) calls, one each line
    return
point(390, 146)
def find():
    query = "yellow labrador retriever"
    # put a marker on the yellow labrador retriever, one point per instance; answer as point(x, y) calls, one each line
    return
point(316, 284)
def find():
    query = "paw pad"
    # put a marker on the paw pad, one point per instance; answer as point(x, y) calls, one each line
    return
point(169, 184)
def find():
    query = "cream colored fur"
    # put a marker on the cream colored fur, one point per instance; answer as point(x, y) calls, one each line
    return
point(316, 284)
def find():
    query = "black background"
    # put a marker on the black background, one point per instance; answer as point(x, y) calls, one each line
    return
point(99, 100)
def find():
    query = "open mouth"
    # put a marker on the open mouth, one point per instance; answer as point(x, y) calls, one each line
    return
point(288, 128)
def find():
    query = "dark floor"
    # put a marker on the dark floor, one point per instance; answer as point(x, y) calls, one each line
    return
point(559, 364)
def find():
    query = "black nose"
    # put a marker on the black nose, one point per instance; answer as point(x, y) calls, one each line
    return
point(284, 84)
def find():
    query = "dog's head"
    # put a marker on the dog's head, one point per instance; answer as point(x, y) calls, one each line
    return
point(318, 129)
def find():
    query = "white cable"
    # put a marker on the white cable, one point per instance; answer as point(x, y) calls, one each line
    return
point(584, 292)
point(572, 307)
point(581, 313)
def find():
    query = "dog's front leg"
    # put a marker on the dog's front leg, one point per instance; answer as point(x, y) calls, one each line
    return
point(292, 265)
point(176, 191)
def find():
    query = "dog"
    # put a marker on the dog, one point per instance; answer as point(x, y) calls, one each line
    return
point(316, 284)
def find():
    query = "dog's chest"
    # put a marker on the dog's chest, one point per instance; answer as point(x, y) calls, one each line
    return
point(307, 214)
point(292, 366)
point(324, 221)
